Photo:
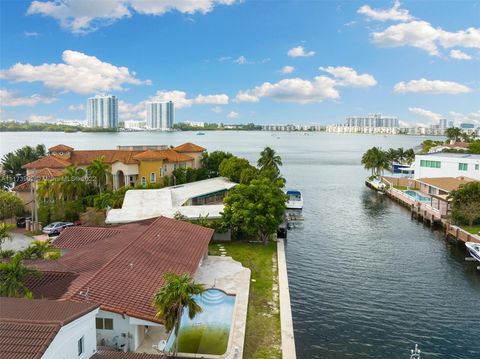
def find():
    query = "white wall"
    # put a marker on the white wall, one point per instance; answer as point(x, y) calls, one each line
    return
point(65, 344)
point(449, 167)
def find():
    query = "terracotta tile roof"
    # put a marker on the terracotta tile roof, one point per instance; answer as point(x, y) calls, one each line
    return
point(78, 236)
point(60, 148)
point(445, 183)
point(189, 147)
point(109, 156)
point(45, 173)
point(125, 355)
point(151, 155)
point(174, 156)
point(123, 272)
point(22, 187)
point(27, 327)
point(47, 162)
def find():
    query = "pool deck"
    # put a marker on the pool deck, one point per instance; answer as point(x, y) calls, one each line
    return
point(286, 322)
point(230, 276)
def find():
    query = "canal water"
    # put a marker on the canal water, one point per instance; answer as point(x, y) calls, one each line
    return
point(366, 281)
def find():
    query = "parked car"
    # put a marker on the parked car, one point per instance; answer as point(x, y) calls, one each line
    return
point(56, 227)
point(22, 221)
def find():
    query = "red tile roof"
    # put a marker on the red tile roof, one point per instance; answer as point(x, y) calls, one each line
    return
point(123, 272)
point(78, 236)
point(60, 148)
point(189, 147)
point(151, 155)
point(22, 187)
point(27, 327)
point(47, 162)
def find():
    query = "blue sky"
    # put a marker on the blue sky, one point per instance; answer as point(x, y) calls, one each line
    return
point(242, 61)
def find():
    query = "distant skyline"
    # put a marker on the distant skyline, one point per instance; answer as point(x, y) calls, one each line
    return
point(242, 61)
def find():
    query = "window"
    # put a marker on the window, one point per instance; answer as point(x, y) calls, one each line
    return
point(144, 181)
point(104, 323)
point(463, 166)
point(152, 177)
point(174, 166)
point(477, 167)
point(430, 164)
point(80, 346)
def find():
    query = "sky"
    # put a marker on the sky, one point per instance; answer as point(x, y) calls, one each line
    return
point(232, 61)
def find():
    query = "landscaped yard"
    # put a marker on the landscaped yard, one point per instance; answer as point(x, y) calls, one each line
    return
point(262, 338)
point(472, 230)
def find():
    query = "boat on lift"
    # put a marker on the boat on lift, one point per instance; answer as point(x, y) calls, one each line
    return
point(295, 199)
point(474, 249)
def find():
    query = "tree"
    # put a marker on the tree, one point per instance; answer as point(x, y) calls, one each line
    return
point(176, 293)
point(5, 233)
point(72, 184)
point(12, 162)
point(474, 147)
point(453, 134)
point(10, 205)
point(409, 156)
point(101, 171)
point(12, 278)
point(211, 162)
point(255, 209)
point(465, 202)
point(269, 160)
point(375, 160)
point(47, 190)
point(36, 250)
point(232, 168)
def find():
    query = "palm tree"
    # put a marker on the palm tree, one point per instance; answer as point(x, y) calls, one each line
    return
point(409, 156)
point(176, 294)
point(12, 278)
point(376, 160)
point(37, 250)
point(453, 134)
point(5, 233)
point(269, 159)
point(47, 190)
point(72, 184)
point(100, 170)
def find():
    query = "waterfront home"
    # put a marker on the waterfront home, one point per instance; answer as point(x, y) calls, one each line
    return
point(190, 200)
point(456, 146)
point(121, 270)
point(443, 164)
point(130, 165)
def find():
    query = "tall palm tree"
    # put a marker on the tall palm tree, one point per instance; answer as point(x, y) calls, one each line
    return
point(269, 160)
point(12, 278)
point(72, 184)
point(5, 233)
point(453, 134)
point(409, 156)
point(376, 160)
point(47, 190)
point(176, 294)
point(101, 171)
point(37, 250)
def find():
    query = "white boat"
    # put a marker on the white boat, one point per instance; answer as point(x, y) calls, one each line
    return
point(295, 199)
point(474, 249)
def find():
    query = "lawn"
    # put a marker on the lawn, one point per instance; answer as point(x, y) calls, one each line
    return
point(472, 230)
point(262, 338)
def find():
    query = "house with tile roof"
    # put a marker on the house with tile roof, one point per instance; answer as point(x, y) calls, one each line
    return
point(121, 269)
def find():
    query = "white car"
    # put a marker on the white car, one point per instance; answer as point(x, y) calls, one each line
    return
point(56, 227)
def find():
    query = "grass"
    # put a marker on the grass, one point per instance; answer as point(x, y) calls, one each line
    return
point(472, 230)
point(204, 340)
point(262, 337)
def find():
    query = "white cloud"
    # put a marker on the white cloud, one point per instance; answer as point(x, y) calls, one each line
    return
point(293, 90)
point(233, 114)
point(11, 98)
point(242, 60)
point(287, 69)
point(346, 76)
point(394, 13)
point(178, 97)
point(220, 99)
point(41, 118)
point(459, 55)
point(426, 113)
point(30, 34)
point(83, 16)
point(79, 73)
point(299, 51)
point(224, 58)
point(423, 35)
point(127, 111)
point(466, 117)
point(431, 87)
point(80, 107)
point(217, 109)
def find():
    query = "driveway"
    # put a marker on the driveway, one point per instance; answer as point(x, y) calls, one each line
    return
point(19, 241)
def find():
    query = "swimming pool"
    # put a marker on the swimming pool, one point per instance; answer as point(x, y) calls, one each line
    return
point(208, 332)
point(417, 196)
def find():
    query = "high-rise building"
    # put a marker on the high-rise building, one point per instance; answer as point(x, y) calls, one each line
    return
point(373, 120)
point(442, 123)
point(160, 115)
point(102, 111)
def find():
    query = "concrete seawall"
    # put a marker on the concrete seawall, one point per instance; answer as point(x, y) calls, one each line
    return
point(286, 322)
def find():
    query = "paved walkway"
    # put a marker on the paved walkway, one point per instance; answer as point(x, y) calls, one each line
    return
point(286, 322)
point(19, 241)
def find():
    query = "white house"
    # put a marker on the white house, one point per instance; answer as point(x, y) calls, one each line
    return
point(47, 329)
point(447, 165)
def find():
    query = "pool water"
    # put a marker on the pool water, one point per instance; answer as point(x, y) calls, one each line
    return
point(208, 332)
point(417, 196)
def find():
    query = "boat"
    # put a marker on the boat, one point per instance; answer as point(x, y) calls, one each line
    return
point(295, 199)
point(474, 249)
point(200, 133)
